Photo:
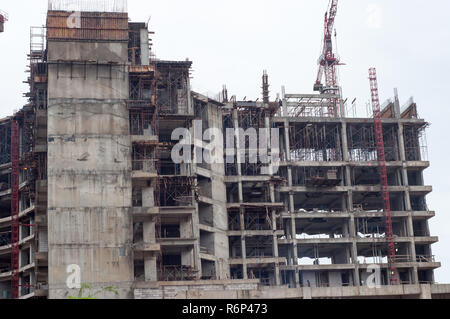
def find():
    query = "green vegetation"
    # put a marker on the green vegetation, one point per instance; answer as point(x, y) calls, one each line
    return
point(88, 288)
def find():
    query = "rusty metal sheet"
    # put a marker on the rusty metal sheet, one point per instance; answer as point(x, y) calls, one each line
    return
point(93, 26)
point(141, 69)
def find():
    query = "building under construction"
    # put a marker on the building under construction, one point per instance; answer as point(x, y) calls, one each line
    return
point(87, 179)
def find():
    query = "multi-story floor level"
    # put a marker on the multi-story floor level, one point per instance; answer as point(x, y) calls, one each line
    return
point(99, 189)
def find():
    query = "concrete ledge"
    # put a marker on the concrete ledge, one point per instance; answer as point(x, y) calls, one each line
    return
point(177, 211)
point(142, 214)
point(143, 175)
point(205, 289)
point(41, 293)
point(237, 179)
point(440, 289)
point(147, 247)
point(177, 242)
point(363, 214)
point(242, 289)
point(207, 257)
point(8, 191)
point(7, 221)
point(336, 241)
point(41, 256)
point(410, 164)
point(382, 240)
point(239, 205)
point(206, 200)
point(360, 189)
point(257, 261)
point(145, 139)
point(202, 172)
point(7, 249)
point(251, 233)
point(344, 120)
point(319, 267)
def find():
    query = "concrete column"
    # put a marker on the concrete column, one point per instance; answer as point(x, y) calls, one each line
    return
point(189, 96)
point(409, 225)
point(196, 260)
point(238, 155)
point(407, 198)
point(307, 293)
point(148, 197)
point(412, 247)
point(275, 248)
point(404, 171)
point(244, 259)
point(342, 108)
point(151, 273)
point(347, 172)
point(186, 257)
point(344, 142)
point(149, 232)
point(20, 233)
point(354, 251)
point(243, 248)
point(294, 250)
point(285, 107)
point(270, 166)
point(425, 292)
point(149, 237)
point(415, 275)
point(396, 104)
point(350, 201)
point(287, 140)
point(401, 143)
point(145, 49)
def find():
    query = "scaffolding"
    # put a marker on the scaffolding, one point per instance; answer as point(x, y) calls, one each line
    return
point(177, 191)
point(255, 218)
point(311, 105)
point(5, 142)
point(15, 223)
point(315, 142)
point(143, 122)
point(362, 144)
point(176, 273)
point(173, 88)
point(415, 143)
point(145, 159)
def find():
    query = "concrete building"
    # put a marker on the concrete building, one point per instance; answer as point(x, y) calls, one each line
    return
point(98, 187)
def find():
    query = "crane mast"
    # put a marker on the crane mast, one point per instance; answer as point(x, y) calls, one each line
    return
point(383, 174)
point(328, 62)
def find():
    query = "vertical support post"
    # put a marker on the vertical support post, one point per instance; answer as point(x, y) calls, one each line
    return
point(15, 209)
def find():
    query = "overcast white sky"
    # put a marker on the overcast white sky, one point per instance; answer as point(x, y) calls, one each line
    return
point(231, 42)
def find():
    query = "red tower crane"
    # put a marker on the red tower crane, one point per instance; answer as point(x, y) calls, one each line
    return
point(3, 19)
point(15, 224)
point(329, 61)
point(383, 173)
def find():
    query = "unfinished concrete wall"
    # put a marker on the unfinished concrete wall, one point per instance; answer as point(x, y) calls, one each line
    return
point(89, 175)
point(220, 214)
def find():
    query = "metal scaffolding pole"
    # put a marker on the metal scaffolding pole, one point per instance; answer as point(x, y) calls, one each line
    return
point(15, 209)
